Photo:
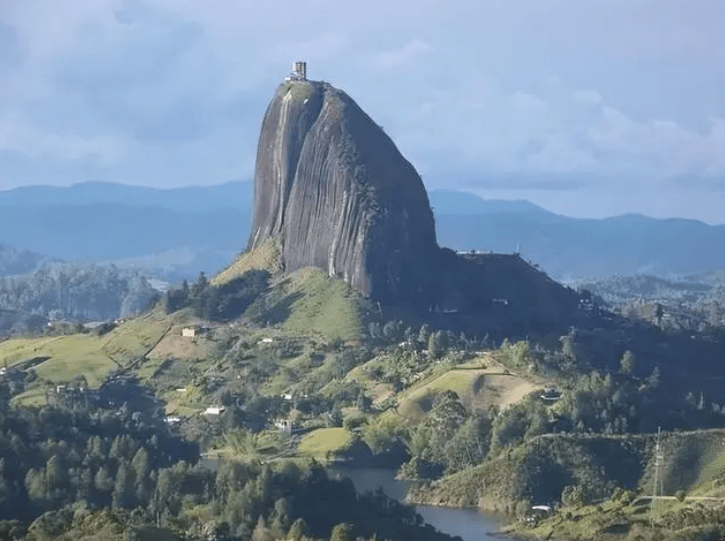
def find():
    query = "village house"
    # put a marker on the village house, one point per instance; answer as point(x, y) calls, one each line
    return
point(284, 425)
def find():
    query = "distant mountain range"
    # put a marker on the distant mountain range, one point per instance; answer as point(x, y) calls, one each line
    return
point(172, 233)
point(570, 248)
point(176, 233)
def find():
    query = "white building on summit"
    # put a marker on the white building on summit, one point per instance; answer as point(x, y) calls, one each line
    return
point(299, 72)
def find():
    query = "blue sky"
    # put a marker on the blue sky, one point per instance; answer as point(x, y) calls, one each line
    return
point(591, 108)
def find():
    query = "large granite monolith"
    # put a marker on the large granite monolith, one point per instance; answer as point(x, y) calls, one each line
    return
point(333, 187)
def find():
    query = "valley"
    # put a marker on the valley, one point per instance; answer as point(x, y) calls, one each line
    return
point(348, 337)
point(468, 420)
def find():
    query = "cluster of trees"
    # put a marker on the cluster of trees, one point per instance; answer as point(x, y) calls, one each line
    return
point(395, 332)
point(53, 460)
point(78, 292)
point(450, 438)
point(218, 303)
point(691, 304)
point(400, 364)
point(53, 457)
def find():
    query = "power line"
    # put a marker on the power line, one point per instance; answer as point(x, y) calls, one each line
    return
point(658, 461)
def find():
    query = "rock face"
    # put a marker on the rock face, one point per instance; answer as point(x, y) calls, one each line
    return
point(335, 189)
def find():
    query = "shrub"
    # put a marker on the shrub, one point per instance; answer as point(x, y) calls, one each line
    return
point(572, 495)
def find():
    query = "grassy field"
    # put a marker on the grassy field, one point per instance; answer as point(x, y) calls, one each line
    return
point(307, 301)
point(184, 402)
point(695, 462)
point(606, 520)
point(173, 344)
point(31, 397)
point(377, 390)
point(477, 388)
point(316, 304)
point(137, 337)
point(322, 441)
point(61, 359)
point(67, 357)
point(17, 350)
point(264, 257)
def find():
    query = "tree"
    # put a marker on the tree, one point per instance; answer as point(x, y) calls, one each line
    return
point(653, 381)
point(627, 363)
point(392, 331)
point(434, 346)
point(123, 491)
point(200, 285)
point(424, 333)
point(568, 348)
point(298, 530)
point(523, 509)
point(342, 532)
point(572, 495)
point(261, 532)
point(140, 464)
point(56, 474)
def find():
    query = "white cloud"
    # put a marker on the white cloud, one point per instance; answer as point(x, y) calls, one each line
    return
point(17, 135)
point(554, 93)
point(392, 60)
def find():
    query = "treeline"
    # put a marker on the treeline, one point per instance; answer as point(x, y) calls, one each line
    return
point(77, 292)
point(218, 303)
point(50, 458)
point(58, 465)
point(696, 304)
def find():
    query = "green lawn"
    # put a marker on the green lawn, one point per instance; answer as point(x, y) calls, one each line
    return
point(136, 338)
point(69, 356)
point(480, 388)
point(322, 441)
point(323, 305)
point(17, 350)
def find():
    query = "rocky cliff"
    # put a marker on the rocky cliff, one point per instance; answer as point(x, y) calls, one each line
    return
point(332, 188)
point(335, 189)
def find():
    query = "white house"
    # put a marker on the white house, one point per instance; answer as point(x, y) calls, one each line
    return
point(214, 410)
point(189, 332)
point(285, 425)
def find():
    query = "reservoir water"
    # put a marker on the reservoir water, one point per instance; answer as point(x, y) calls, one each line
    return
point(469, 524)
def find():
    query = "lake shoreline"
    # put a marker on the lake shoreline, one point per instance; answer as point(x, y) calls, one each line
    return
point(470, 524)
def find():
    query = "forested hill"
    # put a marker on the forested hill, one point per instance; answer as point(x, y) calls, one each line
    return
point(78, 292)
point(17, 261)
